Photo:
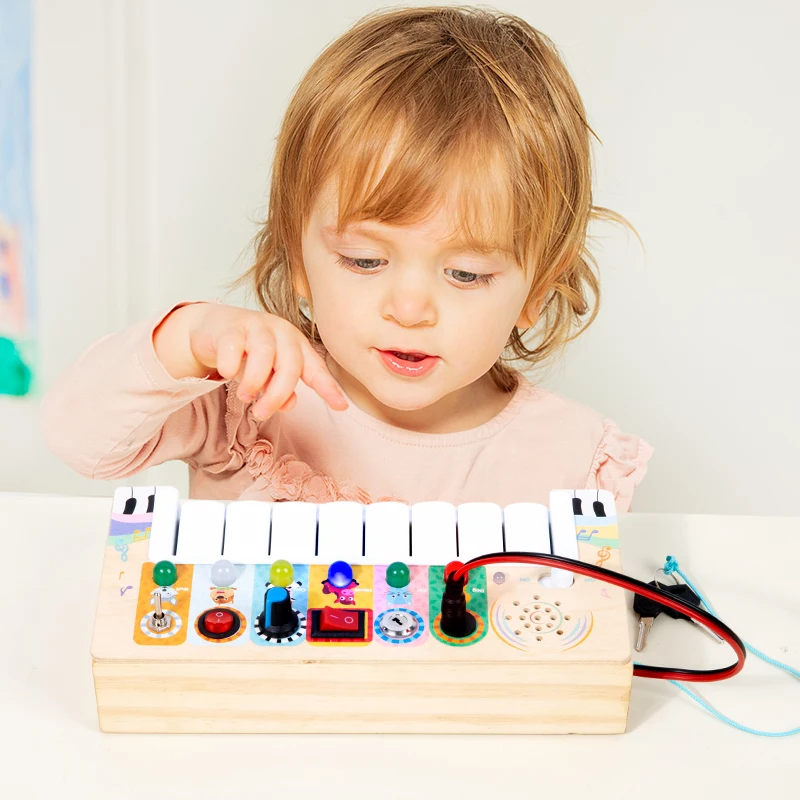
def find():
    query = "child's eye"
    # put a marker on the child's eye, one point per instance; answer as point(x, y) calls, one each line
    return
point(459, 275)
point(470, 278)
point(363, 264)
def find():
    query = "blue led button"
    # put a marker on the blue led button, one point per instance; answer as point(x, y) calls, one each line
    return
point(340, 574)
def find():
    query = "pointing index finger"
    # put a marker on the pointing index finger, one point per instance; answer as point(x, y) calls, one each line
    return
point(316, 375)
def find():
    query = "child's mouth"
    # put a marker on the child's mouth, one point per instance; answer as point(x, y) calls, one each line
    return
point(409, 356)
point(410, 364)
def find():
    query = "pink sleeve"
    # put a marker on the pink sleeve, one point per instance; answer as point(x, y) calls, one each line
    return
point(619, 464)
point(116, 410)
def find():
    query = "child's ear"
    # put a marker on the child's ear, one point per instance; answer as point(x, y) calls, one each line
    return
point(529, 315)
point(300, 286)
point(525, 321)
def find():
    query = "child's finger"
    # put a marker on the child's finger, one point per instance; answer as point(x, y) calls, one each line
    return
point(316, 375)
point(281, 385)
point(229, 350)
point(261, 354)
point(290, 403)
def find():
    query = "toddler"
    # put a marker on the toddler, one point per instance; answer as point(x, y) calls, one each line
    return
point(426, 231)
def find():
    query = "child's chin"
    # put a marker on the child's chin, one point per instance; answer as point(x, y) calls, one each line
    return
point(402, 395)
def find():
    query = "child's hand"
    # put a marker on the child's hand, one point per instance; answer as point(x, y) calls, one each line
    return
point(265, 353)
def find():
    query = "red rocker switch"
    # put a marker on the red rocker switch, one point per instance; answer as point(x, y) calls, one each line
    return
point(338, 619)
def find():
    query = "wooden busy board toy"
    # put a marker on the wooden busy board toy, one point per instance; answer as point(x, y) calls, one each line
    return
point(251, 616)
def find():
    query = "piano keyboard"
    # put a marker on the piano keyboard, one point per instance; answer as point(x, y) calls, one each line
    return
point(433, 532)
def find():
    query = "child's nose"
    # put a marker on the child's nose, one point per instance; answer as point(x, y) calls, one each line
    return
point(411, 303)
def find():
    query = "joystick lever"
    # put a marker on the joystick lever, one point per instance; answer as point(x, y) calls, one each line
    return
point(159, 621)
point(456, 620)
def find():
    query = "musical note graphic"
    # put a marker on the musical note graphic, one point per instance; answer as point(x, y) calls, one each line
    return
point(120, 575)
point(603, 554)
point(123, 550)
point(140, 536)
point(584, 537)
point(604, 593)
point(122, 591)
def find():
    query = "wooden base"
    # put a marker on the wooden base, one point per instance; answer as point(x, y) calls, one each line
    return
point(360, 698)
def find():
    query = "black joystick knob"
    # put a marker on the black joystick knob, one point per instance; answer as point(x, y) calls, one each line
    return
point(456, 620)
point(279, 618)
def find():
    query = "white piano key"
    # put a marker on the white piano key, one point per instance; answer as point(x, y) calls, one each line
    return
point(340, 532)
point(200, 531)
point(527, 527)
point(387, 532)
point(164, 527)
point(480, 529)
point(433, 533)
point(247, 526)
point(563, 536)
point(294, 532)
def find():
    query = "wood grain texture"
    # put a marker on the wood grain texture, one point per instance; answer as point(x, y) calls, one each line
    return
point(361, 698)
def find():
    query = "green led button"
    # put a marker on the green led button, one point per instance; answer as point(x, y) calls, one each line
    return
point(281, 573)
point(398, 575)
point(164, 573)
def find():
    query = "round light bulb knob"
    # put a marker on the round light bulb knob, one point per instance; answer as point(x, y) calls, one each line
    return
point(398, 575)
point(281, 573)
point(164, 573)
point(451, 569)
point(223, 573)
point(340, 574)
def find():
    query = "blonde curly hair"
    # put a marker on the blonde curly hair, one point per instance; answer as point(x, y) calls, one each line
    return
point(466, 100)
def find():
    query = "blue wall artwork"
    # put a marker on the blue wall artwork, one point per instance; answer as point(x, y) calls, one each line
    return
point(18, 318)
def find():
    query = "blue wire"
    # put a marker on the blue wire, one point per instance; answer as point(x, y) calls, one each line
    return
point(670, 566)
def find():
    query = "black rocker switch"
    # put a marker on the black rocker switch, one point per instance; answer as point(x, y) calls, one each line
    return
point(279, 619)
point(456, 620)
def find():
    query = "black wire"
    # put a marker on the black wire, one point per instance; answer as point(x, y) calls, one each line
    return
point(633, 584)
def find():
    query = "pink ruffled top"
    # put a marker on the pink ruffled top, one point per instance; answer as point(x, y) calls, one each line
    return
point(117, 411)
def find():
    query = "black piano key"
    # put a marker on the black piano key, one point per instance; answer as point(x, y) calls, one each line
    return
point(599, 511)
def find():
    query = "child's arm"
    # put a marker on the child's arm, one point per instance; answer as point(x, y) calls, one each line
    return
point(117, 410)
point(156, 391)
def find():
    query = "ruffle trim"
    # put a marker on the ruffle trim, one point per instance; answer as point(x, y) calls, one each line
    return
point(288, 478)
point(619, 464)
point(282, 478)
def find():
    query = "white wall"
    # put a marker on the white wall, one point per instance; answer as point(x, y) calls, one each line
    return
point(153, 140)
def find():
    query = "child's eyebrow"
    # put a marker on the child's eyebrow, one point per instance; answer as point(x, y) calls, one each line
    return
point(457, 245)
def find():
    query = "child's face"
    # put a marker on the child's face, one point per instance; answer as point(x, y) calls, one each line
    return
point(413, 291)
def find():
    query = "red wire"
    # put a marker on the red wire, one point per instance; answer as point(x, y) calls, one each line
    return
point(632, 584)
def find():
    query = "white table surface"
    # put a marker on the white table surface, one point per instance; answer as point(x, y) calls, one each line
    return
point(50, 745)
